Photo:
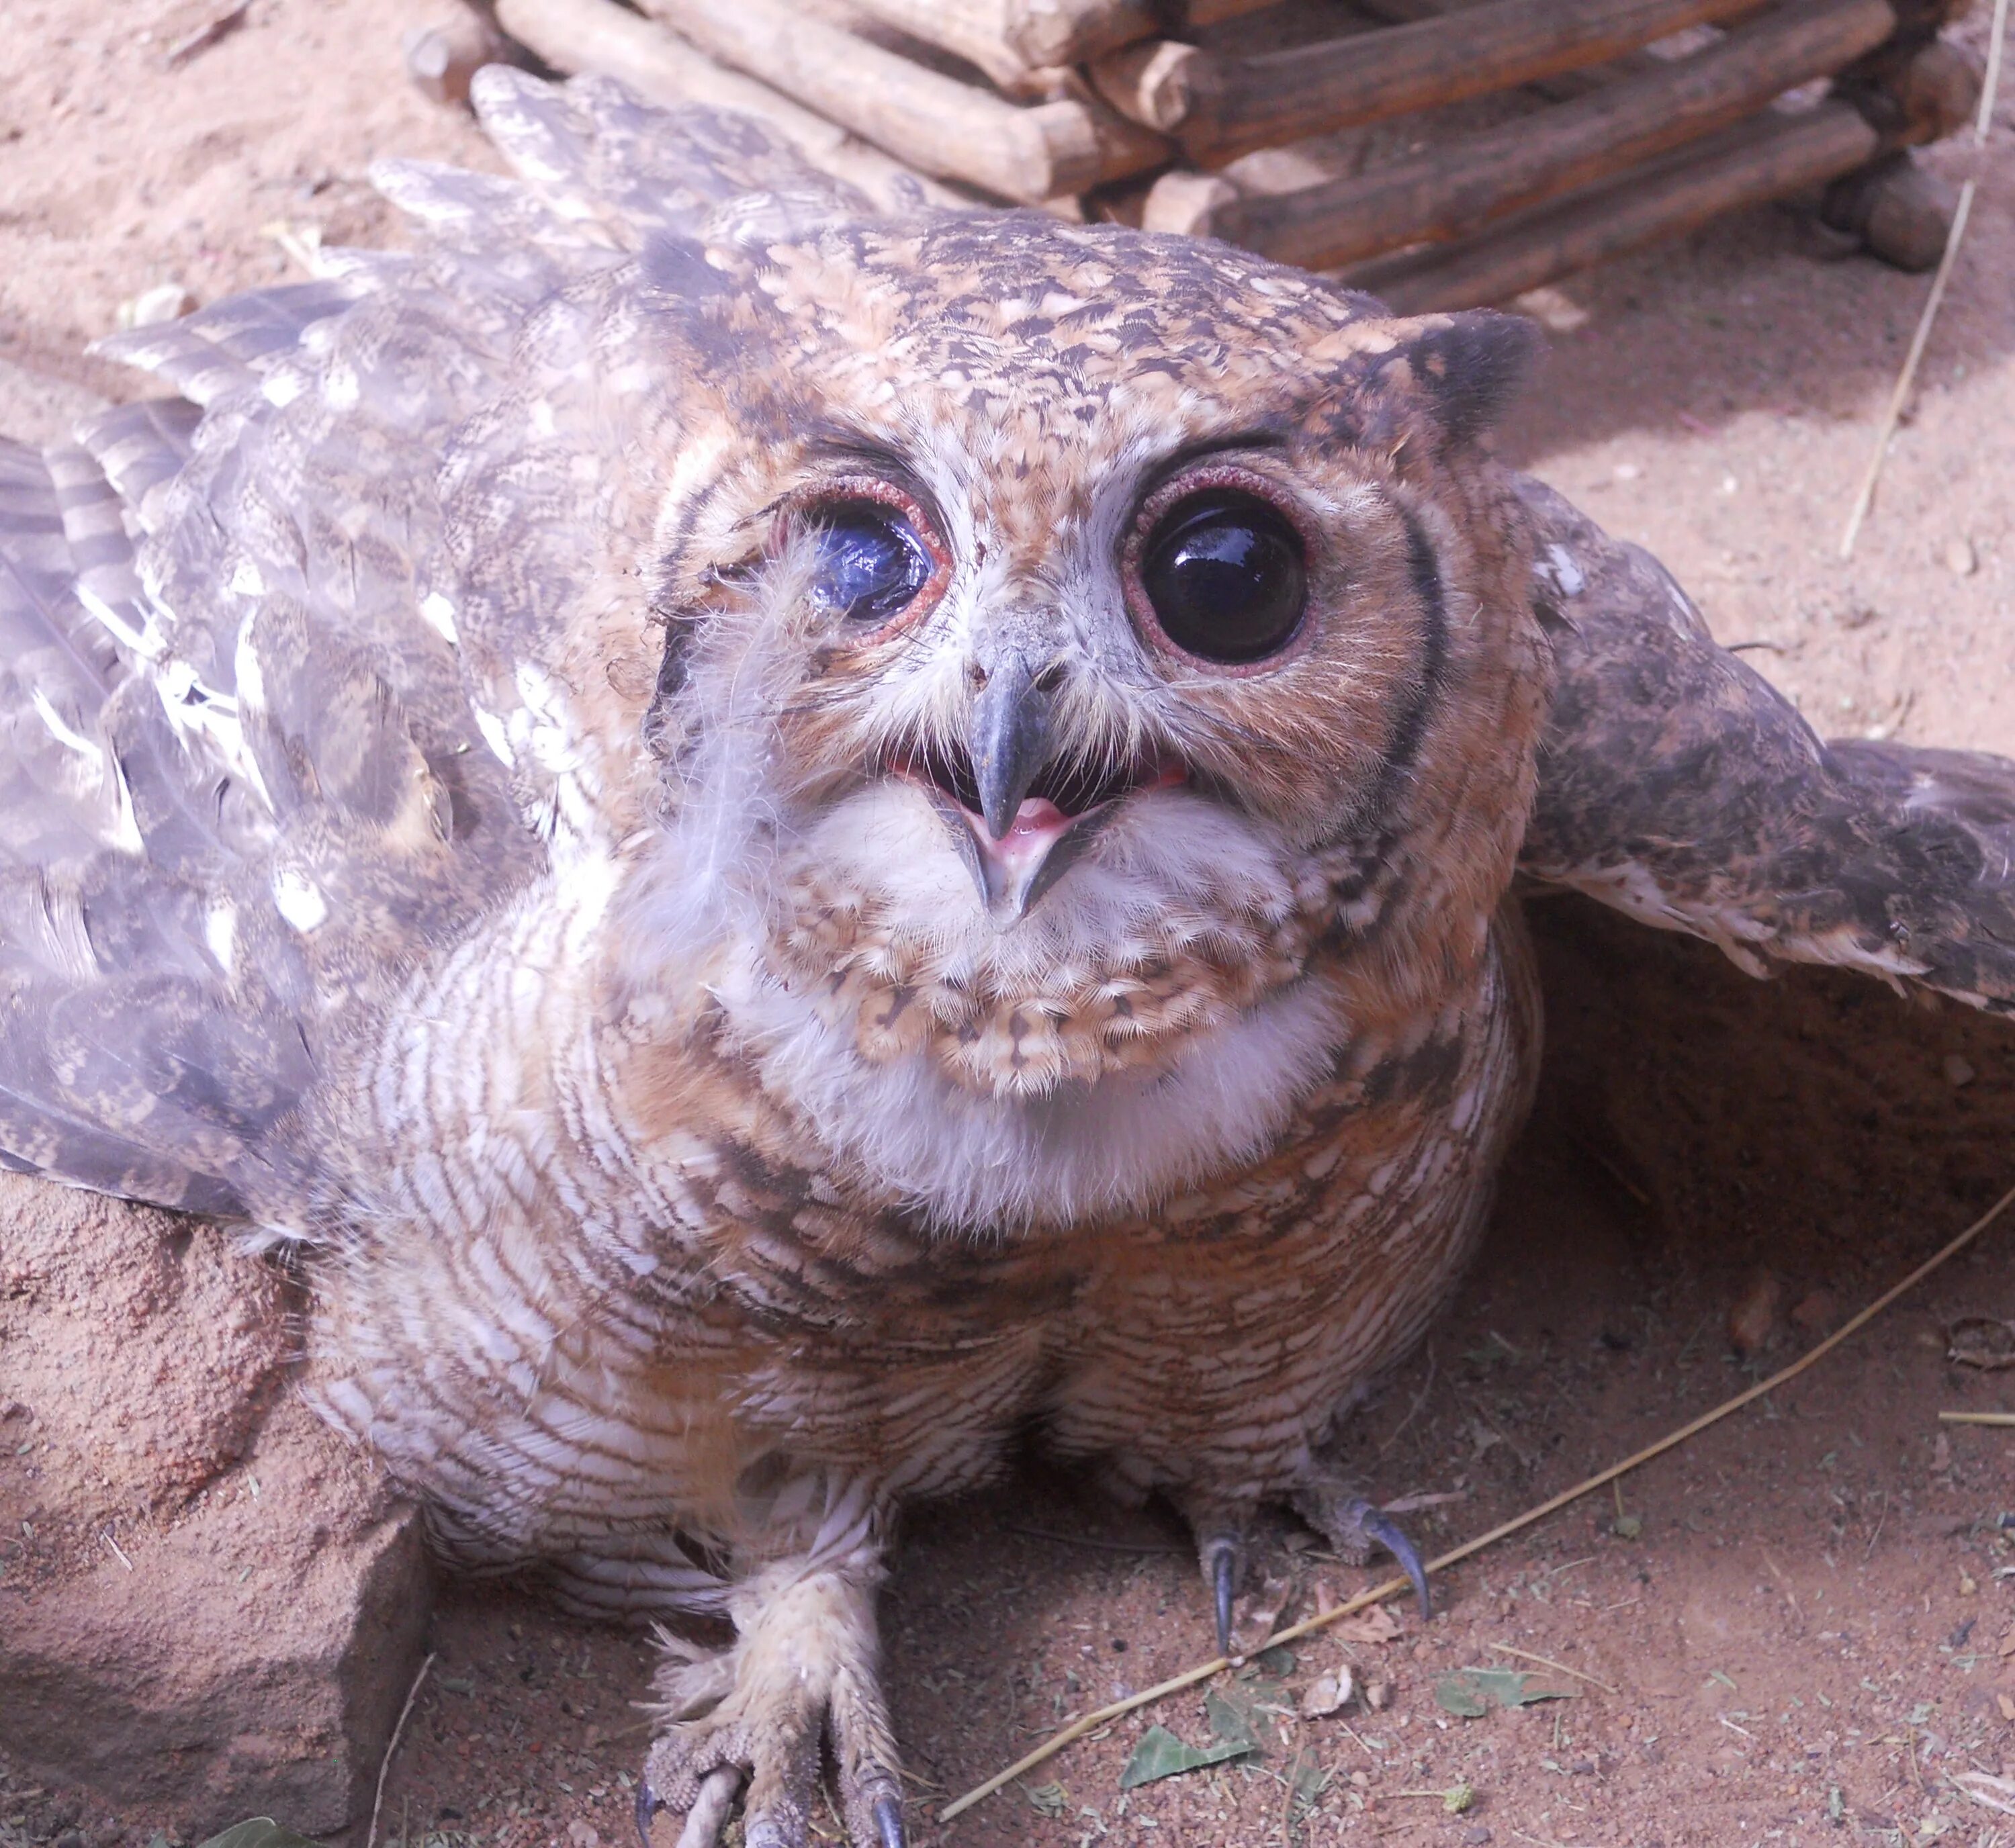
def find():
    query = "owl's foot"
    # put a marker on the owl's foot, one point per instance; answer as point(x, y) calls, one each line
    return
point(802, 1673)
point(1354, 1525)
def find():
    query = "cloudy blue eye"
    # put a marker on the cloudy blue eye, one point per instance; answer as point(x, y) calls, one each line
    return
point(871, 565)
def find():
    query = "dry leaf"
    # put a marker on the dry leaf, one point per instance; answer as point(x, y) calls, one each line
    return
point(1325, 1695)
point(1375, 1625)
point(1259, 1613)
point(262, 1831)
point(1982, 1341)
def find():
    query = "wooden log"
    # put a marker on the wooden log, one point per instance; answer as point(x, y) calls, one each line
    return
point(931, 122)
point(1191, 204)
point(441, 58)
point(1010, 39)
point(1223, 106)
point(1193, 15)
point(1456, 187)
point(598, 35)
point(1917, 93)
point(1563, 87)
point(1901, 212)
point(1762, 159)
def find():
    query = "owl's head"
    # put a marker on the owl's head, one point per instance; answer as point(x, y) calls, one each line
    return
point(1097, 677)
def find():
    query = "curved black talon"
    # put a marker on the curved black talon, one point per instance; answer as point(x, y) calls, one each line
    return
point(1222, 1555)
point(1389, 1534)
point(888, 1822)
point(648, 1804)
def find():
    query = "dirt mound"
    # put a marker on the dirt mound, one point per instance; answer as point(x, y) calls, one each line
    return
point(208, 1605)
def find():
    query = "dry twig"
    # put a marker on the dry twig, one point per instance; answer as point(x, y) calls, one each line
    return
point(1548, 1662)
point(1394, 1588)
point(1982, 122)
point(392, 1747)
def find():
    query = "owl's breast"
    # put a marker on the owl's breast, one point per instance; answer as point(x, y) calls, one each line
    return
point(1219, 1335)
point(1217, 1331)
point(554, 1333)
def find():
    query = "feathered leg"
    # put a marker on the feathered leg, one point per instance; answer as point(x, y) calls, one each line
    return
point(804, 1670)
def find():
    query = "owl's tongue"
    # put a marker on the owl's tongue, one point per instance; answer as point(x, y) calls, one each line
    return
point(1030, 835)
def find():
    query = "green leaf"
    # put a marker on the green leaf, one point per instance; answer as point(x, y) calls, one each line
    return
point(1161, 1754)
point(1456, 1694)
point(1472, 1693)
point(260, 1831)
point(1232, 1721)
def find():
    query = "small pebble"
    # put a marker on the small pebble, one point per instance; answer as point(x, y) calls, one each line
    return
point(1378, 1696)
point(1476, 1835)
point(1814, 1312)
point(1961, 559)
point(1959, 1071)
point(1754, 1316)
point(164, 302)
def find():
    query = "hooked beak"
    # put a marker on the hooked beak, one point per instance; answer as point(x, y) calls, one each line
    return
point(1009, 740)
point(1020, 817)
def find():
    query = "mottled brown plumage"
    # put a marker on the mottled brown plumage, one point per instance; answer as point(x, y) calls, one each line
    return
point(634, 782)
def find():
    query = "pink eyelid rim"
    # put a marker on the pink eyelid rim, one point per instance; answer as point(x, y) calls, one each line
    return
point(872, 487)
point(1180, 487)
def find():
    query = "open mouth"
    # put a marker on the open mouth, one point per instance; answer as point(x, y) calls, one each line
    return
point(1067, 802)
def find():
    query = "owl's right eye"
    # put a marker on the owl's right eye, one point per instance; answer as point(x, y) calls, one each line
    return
point(871, 563)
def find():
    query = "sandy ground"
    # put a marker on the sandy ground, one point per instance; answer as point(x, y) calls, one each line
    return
point(1801, 1626)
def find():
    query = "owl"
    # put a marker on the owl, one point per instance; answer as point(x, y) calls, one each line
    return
point(787, 843)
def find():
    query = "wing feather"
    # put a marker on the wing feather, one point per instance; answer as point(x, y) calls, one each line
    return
point(250, 768)
point(1680, 786)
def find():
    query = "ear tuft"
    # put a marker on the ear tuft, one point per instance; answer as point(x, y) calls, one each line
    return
point(1471, 366)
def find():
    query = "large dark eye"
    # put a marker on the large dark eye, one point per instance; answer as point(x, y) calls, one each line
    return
point(871, 564)
point(1224, 574)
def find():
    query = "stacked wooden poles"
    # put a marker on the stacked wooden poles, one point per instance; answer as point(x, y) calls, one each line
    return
point(1461, 185)
point(1219, 107)
point(1044, 101)
point(927, 120)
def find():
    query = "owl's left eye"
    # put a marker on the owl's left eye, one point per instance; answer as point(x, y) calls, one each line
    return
point(871, 563)
point(1224, 571)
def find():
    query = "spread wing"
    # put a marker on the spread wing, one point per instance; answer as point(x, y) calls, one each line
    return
point(253, 765)
point(1678, 785)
